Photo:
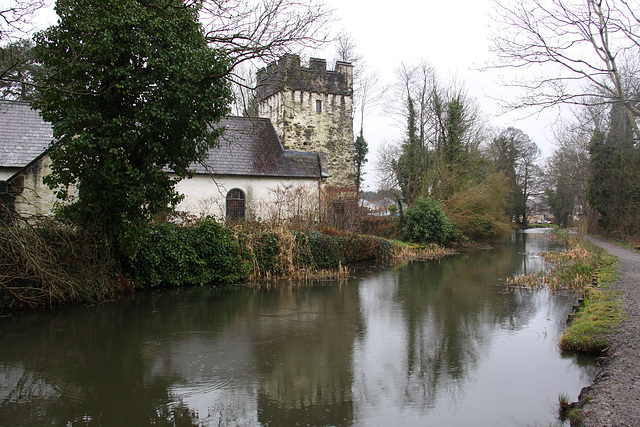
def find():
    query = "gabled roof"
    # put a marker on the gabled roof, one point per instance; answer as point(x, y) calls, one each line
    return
point(248, 147)
point(23, 134)
point(251, 147)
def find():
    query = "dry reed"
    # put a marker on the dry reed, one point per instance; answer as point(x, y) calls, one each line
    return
point(45, 261)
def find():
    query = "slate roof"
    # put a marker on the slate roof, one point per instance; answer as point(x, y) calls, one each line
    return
point(23, 134)
point(249, 146)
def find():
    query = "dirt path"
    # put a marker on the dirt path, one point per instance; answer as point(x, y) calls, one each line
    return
point(614, 398)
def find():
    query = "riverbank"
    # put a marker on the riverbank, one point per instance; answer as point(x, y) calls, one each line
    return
point(614, 397)
point(54, 262)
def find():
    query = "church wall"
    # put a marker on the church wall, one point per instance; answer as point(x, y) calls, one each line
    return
point(266, 198)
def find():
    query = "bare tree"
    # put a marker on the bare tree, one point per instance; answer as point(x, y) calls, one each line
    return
point(367, 89)
point(566, 172)
point(584, 52)
point(265, 29)
point(366, 93)
point(420, 83)
point(444, 130)
point(243, 79)
point(16, 17)
point(387, 156)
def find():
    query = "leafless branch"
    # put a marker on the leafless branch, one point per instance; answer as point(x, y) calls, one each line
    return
point(265, 29)
point(577, 52)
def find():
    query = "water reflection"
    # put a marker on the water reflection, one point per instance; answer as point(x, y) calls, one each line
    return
point(436, 343)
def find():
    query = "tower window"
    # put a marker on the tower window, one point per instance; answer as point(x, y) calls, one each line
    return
point(318, 106)
point(236, 205)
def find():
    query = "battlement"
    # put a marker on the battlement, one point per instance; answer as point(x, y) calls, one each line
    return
point(288, 73)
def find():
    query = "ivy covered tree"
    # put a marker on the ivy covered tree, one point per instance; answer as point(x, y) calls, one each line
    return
point(614, 184)
point(131, 91)
point(515, 155)
point(409, 167)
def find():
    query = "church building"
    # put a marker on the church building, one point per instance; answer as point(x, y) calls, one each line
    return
point(303, 141)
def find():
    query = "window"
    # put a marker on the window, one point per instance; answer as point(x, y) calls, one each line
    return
point(318, 106)
point(235, 205)
point(5, 196)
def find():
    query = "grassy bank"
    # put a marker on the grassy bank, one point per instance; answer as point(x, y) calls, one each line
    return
point(586, 269)
point(47, 262)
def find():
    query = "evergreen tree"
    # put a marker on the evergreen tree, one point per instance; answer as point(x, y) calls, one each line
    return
point(131, 92)
point(614, 185)
point(515, 154)
point(361, 149)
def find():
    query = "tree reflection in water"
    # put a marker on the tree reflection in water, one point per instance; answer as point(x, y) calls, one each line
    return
point(428, 342)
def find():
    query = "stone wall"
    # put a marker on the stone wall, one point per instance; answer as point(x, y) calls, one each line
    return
point(311, 109)
point(32, 196)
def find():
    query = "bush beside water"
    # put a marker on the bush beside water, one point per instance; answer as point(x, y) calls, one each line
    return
point(56, 262)
point(425, 223)
point(196, 254)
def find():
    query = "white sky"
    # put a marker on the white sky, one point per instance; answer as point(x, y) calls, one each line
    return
point(451, 35)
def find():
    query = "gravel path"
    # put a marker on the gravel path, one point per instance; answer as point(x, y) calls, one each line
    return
point(614, 398)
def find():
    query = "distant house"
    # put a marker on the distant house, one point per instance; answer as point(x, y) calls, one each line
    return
point(243, 178)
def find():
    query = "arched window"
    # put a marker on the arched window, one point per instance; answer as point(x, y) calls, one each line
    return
point(235, 205)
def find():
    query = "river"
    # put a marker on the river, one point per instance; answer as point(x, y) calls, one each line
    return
point(437, 343)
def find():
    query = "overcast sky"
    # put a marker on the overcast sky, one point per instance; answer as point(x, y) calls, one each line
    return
point(451, 35)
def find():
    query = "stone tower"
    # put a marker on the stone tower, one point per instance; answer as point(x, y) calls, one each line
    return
point(311, 110)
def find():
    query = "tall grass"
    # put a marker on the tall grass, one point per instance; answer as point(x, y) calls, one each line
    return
point(586, 269)
point(278, 252)
point(46, 261)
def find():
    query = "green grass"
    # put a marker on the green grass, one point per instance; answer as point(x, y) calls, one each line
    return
point(566, 412)
point(600, 315)
point(575, 268)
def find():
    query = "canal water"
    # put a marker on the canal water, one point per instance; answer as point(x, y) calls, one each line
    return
point(438, 343)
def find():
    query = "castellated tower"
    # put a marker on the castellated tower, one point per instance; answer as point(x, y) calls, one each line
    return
point(311, 110)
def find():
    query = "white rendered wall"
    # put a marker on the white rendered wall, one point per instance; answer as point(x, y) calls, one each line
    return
point(265, 197)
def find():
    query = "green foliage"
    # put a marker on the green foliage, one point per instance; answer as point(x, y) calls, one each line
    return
point(425, 223)
point(514, 155)
point(177, 255)
point(361, 149)
point(411, 167)
point(600, 315)
point(326, 251)
point(562, 202)
point(132, 91)
point(313, 250)
point(614, 185)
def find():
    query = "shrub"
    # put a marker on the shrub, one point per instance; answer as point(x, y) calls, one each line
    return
point(172, 254)
point(425, 223)
point(46, 261)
